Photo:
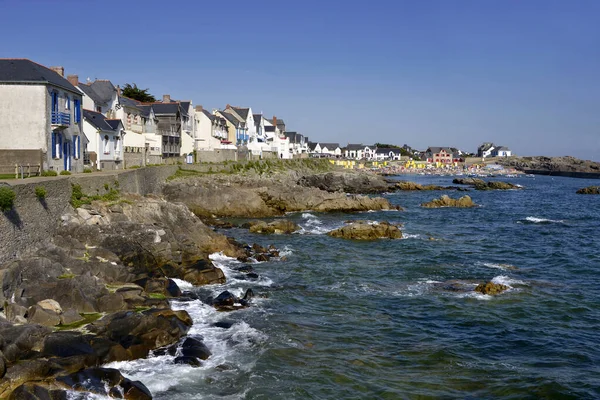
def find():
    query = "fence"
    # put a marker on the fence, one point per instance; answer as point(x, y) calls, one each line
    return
point(21, 171)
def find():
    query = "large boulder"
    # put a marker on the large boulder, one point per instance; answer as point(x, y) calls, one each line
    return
point(589, 190)
point(412, 186)
point(367, 230)
point(491, 288)
point(107, 382)
point(347, 182)
point(480, 184)
point(446, 201)
point(279, 226)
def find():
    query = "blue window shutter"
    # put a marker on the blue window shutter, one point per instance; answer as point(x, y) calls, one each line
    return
point(78, 146)
point(60, 144)
point(53, 144)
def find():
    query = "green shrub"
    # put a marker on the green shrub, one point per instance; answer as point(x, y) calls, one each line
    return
point(87, 170)
point(49, 173)
point(106, 187)
point(134, 167)
point(40, 192)
point(7, 198)
point(65, 173)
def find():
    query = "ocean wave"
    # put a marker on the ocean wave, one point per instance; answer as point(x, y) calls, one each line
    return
point(508, 281)
point(410, 235)
point(286, 251)
point(537, 220)
point(183, 285)
point(505, 267)
point(312, 225)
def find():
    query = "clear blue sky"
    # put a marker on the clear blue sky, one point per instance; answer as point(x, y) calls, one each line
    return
point(521, 73)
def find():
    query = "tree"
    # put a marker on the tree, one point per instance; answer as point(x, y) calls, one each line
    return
point(133, 92)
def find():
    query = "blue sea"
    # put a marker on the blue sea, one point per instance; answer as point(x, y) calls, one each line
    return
point(398, 319)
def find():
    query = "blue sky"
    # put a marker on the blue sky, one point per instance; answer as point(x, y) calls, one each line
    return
point(525, 74)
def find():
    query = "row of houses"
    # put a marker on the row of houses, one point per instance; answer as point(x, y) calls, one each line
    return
point(59, 123)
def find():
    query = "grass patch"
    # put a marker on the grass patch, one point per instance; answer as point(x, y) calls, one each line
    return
point(87, 170)
point(49, 173)
point(157, 296)
point(40, 192)
point(88, 318)
point(78, 198)
point(7, 198)
point(66, 276)
point(65, 172)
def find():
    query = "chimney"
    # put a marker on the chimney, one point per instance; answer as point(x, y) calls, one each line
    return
point(118, 90)
point(166, 98)
point(59, 70)
point(73, 79)
point(199, 108)
point(274, 120)
point(227, 106)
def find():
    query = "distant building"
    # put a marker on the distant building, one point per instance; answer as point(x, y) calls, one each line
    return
point(442, 155)
point(491, 150)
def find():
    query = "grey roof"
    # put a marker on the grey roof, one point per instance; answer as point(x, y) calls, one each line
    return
point(145, 109)
point(127, 102)
point(101, 91)
point(387, 150)
point(355, 146)
point(503, 148)
point(166, 108)
point(22, 70)
point(232, 118)
point(269, 128)
point(293, 136)
point(242, 112)
point(438, 149)
point(330, 146)
point(312, 145)
point(99, 121)
point(208, 114)
point(185, 106)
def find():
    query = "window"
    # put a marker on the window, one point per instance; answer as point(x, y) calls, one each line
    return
point(56, 145)
point(76, 146)
point(106, 145)
point(99, 109)
point(77, 110)
point(67, 102)
point(117, 145)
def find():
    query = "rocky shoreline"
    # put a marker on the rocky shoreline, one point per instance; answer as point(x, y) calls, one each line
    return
point(556, 166)
point(99, 288)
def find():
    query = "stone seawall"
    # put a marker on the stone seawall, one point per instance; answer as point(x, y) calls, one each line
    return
point(32, 220)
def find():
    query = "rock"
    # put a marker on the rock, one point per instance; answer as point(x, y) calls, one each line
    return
point(468, 181)
point(225, 300)
point(411, 186)
point(50, 305)
point(280, 226)
point(195, 348)
point(365, 230)
point(14, 311)
point(2, 365)
point(22, 340)
point(261, 257)
point(32, 391)
point(107, 382)
point(480, 184)
point(70, 317)
point(491, 288)
point(347, 182)
point(589, 190)
point(248, 296)
point(39, 315)
point(192, 361)
point(257, 248)
point(245, 269)
point(223, 324)
point(445, 201)
point(67, 344)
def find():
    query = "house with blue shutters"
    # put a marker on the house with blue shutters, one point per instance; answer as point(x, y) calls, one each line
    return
point(41, 122)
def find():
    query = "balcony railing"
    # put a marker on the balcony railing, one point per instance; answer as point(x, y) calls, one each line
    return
point(61, 118)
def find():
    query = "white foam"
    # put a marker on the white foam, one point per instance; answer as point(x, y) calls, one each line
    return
point(286, 252)
point(537, 220)
point(312, 225)
point(508, 281)
point(410, 235)
point(183, 285)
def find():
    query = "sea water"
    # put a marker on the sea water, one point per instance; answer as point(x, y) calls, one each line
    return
point(391, 319)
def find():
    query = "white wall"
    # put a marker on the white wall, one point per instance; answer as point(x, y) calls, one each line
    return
point(25, 124)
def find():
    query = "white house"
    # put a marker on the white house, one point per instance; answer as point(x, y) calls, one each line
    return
point(41, 117)
point(328, 149)
point(211, 131)
point(501, 151)
point(278, 141)
point(99, 96)
point(105, 140)
point(254, 141)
